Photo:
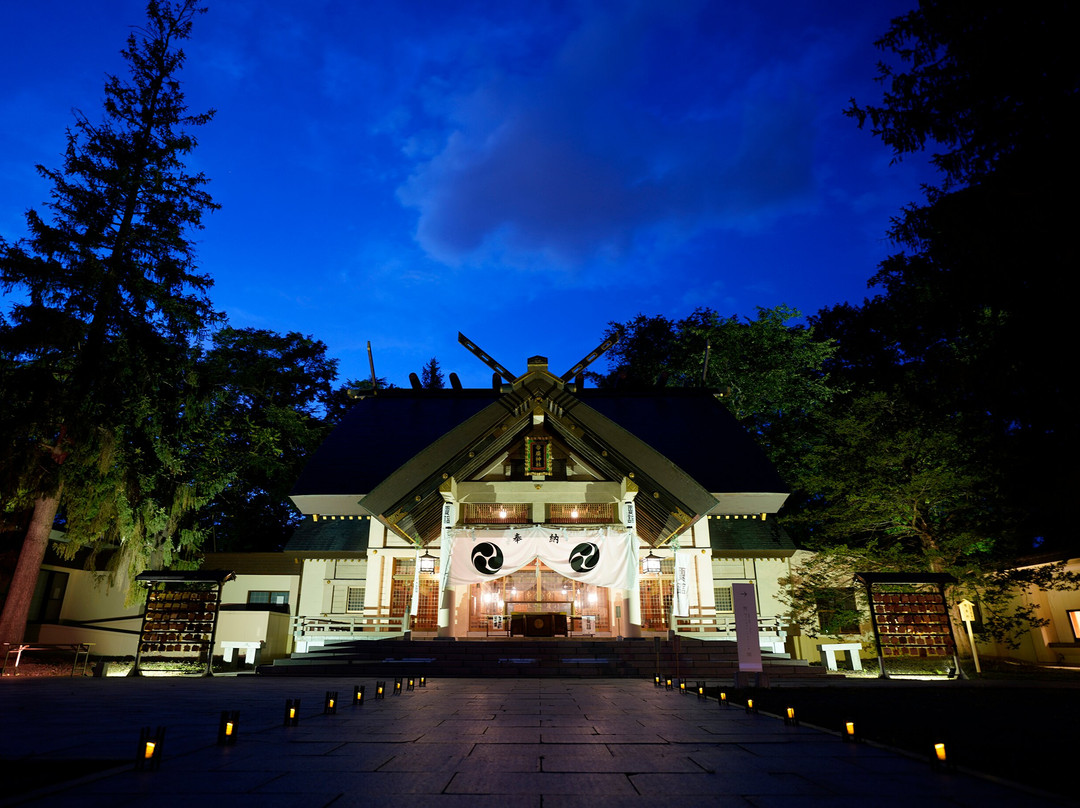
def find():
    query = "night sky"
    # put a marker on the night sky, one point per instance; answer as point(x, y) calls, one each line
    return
point(523, 172)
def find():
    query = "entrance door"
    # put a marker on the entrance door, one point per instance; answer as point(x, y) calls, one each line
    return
point(427, 617)
point(657, 595)
point(537, 589)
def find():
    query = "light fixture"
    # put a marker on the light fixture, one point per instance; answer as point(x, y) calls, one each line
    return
point(656, 679)
point(358, 695)
point(397, 686)
point(789, 717)
point(292, 712)
point(848, 734)
point(750, 708)
point(226, 735)
point(427, 563)
point(410, 684)
point(650, 564)
point(700, 690)
point(502, 513)
point(573, 514)
point(380, 690)
point(330, 703)
point(149, 752)
point(667, 683)
point(423, 681)
point(722, 701)
point(939, 759)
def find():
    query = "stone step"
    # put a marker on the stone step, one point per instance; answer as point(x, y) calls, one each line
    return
point(684, 659)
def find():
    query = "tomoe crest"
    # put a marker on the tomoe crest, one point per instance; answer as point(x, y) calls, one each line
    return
point(487, 558)
point(584, 557)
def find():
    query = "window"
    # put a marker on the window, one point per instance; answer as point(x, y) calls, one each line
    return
point(354, 599)
point(497, 513)
point(838, 612)
point(48, 596)
point(723, 599)
point(582, 513)
point(1074, 622)
point(267, 596)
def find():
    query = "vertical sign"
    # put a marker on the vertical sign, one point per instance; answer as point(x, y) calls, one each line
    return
point(682, 584)
point(445, 548)
point(747, 637)
point(415, 608)
point(967, 614)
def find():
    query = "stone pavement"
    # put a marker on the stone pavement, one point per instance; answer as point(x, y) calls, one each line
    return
point(500, 742)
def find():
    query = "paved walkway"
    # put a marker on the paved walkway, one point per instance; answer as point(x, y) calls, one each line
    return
point(505, 743)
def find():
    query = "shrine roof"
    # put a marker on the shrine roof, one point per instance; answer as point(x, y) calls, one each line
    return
point(689, 427)
point(695, 432)
point(744, 538)
point(381, 433)
point(322, 536)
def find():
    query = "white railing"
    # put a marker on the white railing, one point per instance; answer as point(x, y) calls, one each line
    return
point(771, 630)
point(316, 631)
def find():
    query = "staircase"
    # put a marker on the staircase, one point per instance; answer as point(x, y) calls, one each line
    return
point(682, 659)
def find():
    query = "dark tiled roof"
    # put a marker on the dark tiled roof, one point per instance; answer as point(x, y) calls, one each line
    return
point(738, 538)
point(251, 563)
point(330, 536)
point(381, 433)
point(695, 432)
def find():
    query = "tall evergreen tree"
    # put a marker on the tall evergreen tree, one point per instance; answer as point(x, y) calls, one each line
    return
point(992, 89)
point(102, 409)
point(954, 449)
point(274, 396)
point(431, 377)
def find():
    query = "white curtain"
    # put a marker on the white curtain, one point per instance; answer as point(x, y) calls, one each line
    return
point(601, 556)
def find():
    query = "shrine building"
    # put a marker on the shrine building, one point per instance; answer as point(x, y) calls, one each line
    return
point(536, 507)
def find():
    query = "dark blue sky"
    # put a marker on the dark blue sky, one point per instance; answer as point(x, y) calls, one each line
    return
point(524, 172)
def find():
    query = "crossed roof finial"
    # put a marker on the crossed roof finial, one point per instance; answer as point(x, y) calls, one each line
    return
point(488, 360)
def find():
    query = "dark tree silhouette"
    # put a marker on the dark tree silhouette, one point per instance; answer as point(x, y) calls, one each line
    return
point(102, 410)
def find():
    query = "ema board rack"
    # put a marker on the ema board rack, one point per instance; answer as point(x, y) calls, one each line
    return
point(180, 622)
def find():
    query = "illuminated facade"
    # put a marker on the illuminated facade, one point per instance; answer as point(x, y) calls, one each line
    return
point(534, 504)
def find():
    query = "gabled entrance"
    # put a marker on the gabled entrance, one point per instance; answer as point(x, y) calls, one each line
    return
point(465, 479)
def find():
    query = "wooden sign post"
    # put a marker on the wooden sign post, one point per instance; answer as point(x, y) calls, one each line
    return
point(967, 614)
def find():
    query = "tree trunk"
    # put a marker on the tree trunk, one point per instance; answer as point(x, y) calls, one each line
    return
point(17, 604)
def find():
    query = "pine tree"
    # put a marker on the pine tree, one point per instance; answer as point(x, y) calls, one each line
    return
point(431, 377)
point(101, 406)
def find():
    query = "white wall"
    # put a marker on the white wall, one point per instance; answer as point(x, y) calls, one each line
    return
point(236, 590)
point(1054, 644)
point(89, 596)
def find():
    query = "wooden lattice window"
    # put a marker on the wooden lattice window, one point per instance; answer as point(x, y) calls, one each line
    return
point(427, 618)
point(584, 513)
point(354, 599)
point(496, 513)
point(723, 598)
point(657, 595)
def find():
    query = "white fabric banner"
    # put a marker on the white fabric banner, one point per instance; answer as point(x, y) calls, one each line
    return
point(445, 548)
point(416, 585)
point(681, 605)
point(602, 556)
